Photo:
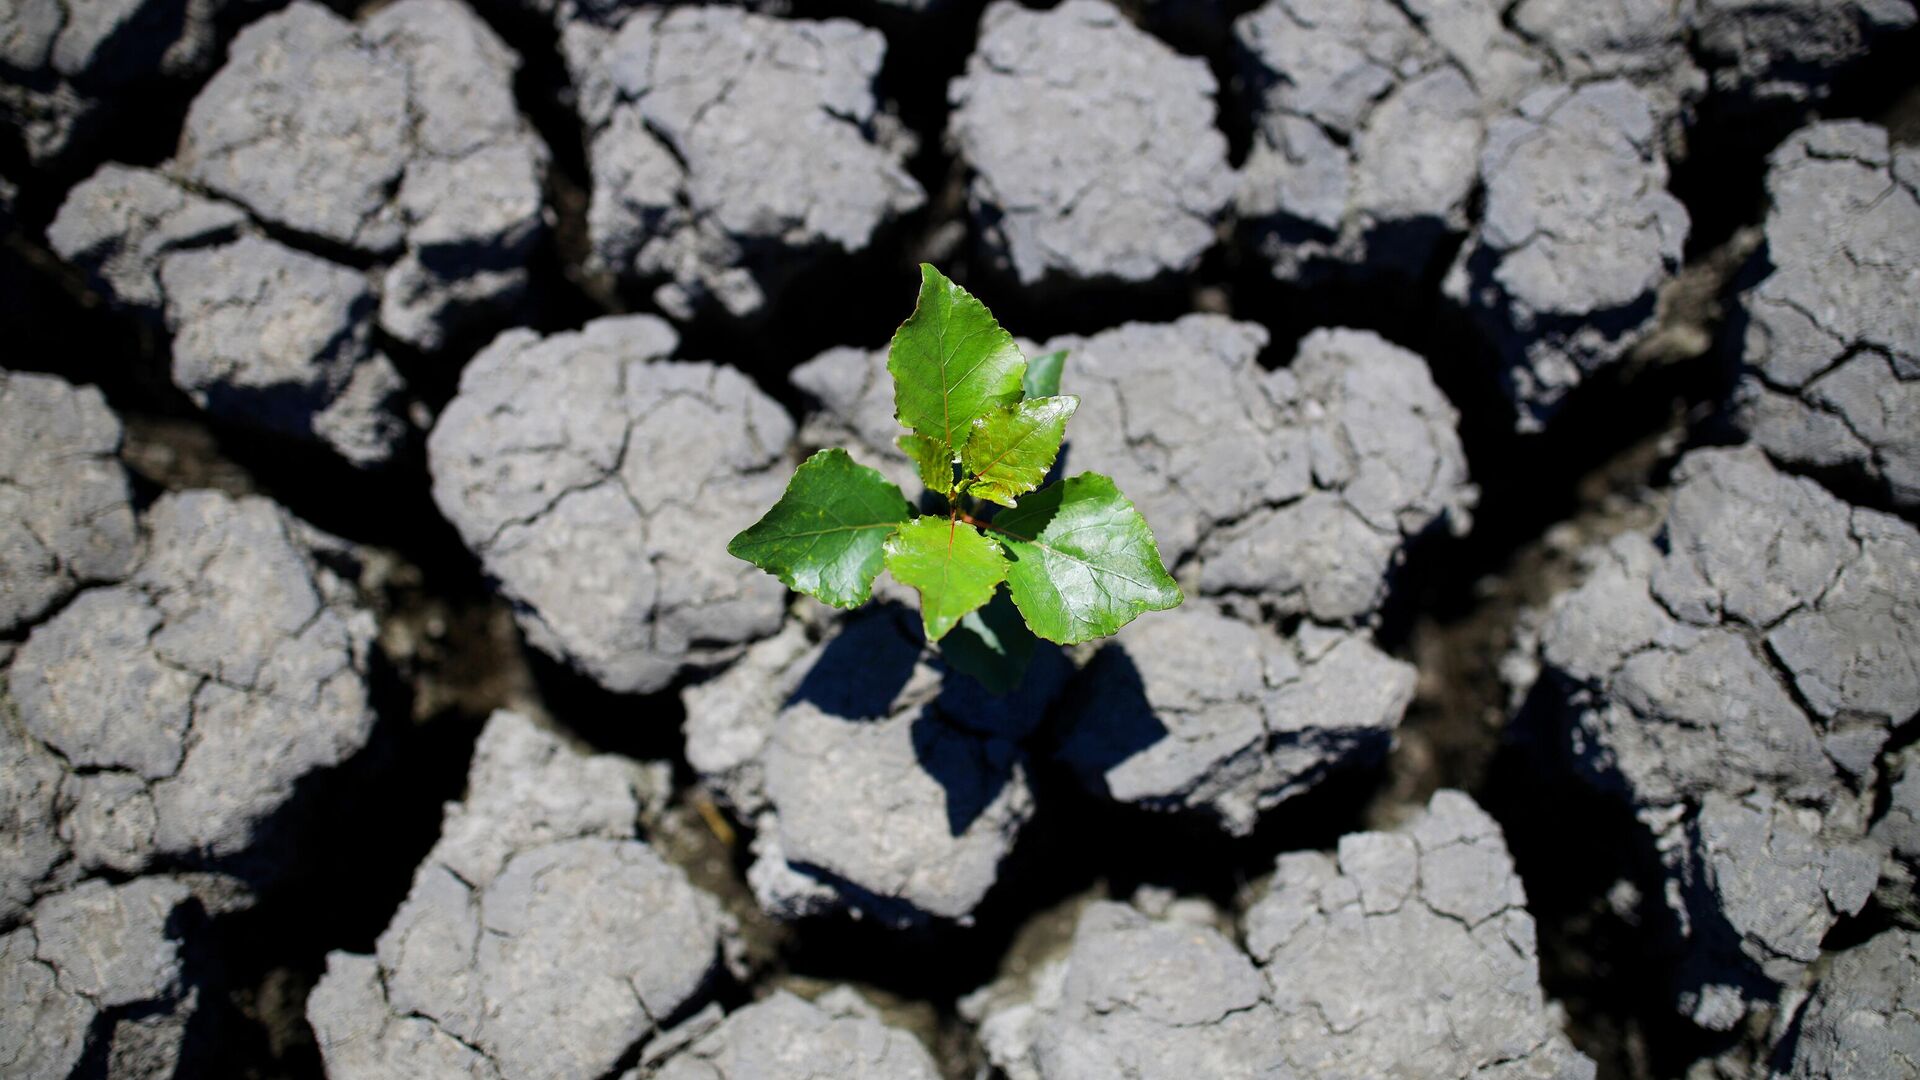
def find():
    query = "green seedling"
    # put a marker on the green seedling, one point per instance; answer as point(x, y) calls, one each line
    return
point(984, 427)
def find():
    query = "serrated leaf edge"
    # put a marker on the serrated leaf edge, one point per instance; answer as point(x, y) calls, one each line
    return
point(980, 423)
point(889, 550)
point(1136, 607)
point(954, 294)
point(786, 576)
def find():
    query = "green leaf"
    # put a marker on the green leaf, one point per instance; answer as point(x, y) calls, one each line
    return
point(1013, 446)
point(1043, 374)
point(991, 645)
point(1084, 561)
point(955, 568)
point(824, 537)
point(951, 362)
point(930, 460)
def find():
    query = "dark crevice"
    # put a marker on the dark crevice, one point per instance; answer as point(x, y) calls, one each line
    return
point(1721, 180)
point(454, 653)
point(1544, 500)
point(380, 817)
point(333, 251)
point(1455, 609)
point(839, 299)
point(1594, 887)
point(926, 51)
point(1204, 29)
point(562, 296)
point(139, 124)
point(1881, 87)
point(57, 325)
point(645, 727)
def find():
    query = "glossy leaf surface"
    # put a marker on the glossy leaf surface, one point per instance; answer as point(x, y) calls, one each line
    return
point(1084, 562)
point(984, 425)
point(826, 534)
point(951, 362)
point(930, 460)
point(954, 567)
point(1013, 446)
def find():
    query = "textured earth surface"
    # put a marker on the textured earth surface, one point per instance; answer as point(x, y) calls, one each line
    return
point(1832, 348)
point(1702, 684)
point(1524, 395)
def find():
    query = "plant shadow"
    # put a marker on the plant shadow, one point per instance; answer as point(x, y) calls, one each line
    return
point(862, 670)
point(972, 769)
point(1119, 723)
point(863, 675)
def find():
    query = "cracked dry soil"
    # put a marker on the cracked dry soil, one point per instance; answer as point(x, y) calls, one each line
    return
point(1526, 396)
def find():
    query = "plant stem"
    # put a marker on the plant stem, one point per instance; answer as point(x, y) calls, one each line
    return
point(962, 515)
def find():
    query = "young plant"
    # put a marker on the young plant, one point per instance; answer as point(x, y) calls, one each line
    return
point(984, 428)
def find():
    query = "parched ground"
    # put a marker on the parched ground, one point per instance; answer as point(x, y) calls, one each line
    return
point(1526, 396)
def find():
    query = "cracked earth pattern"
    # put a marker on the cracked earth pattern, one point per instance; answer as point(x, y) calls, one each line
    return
point(1520, 392)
